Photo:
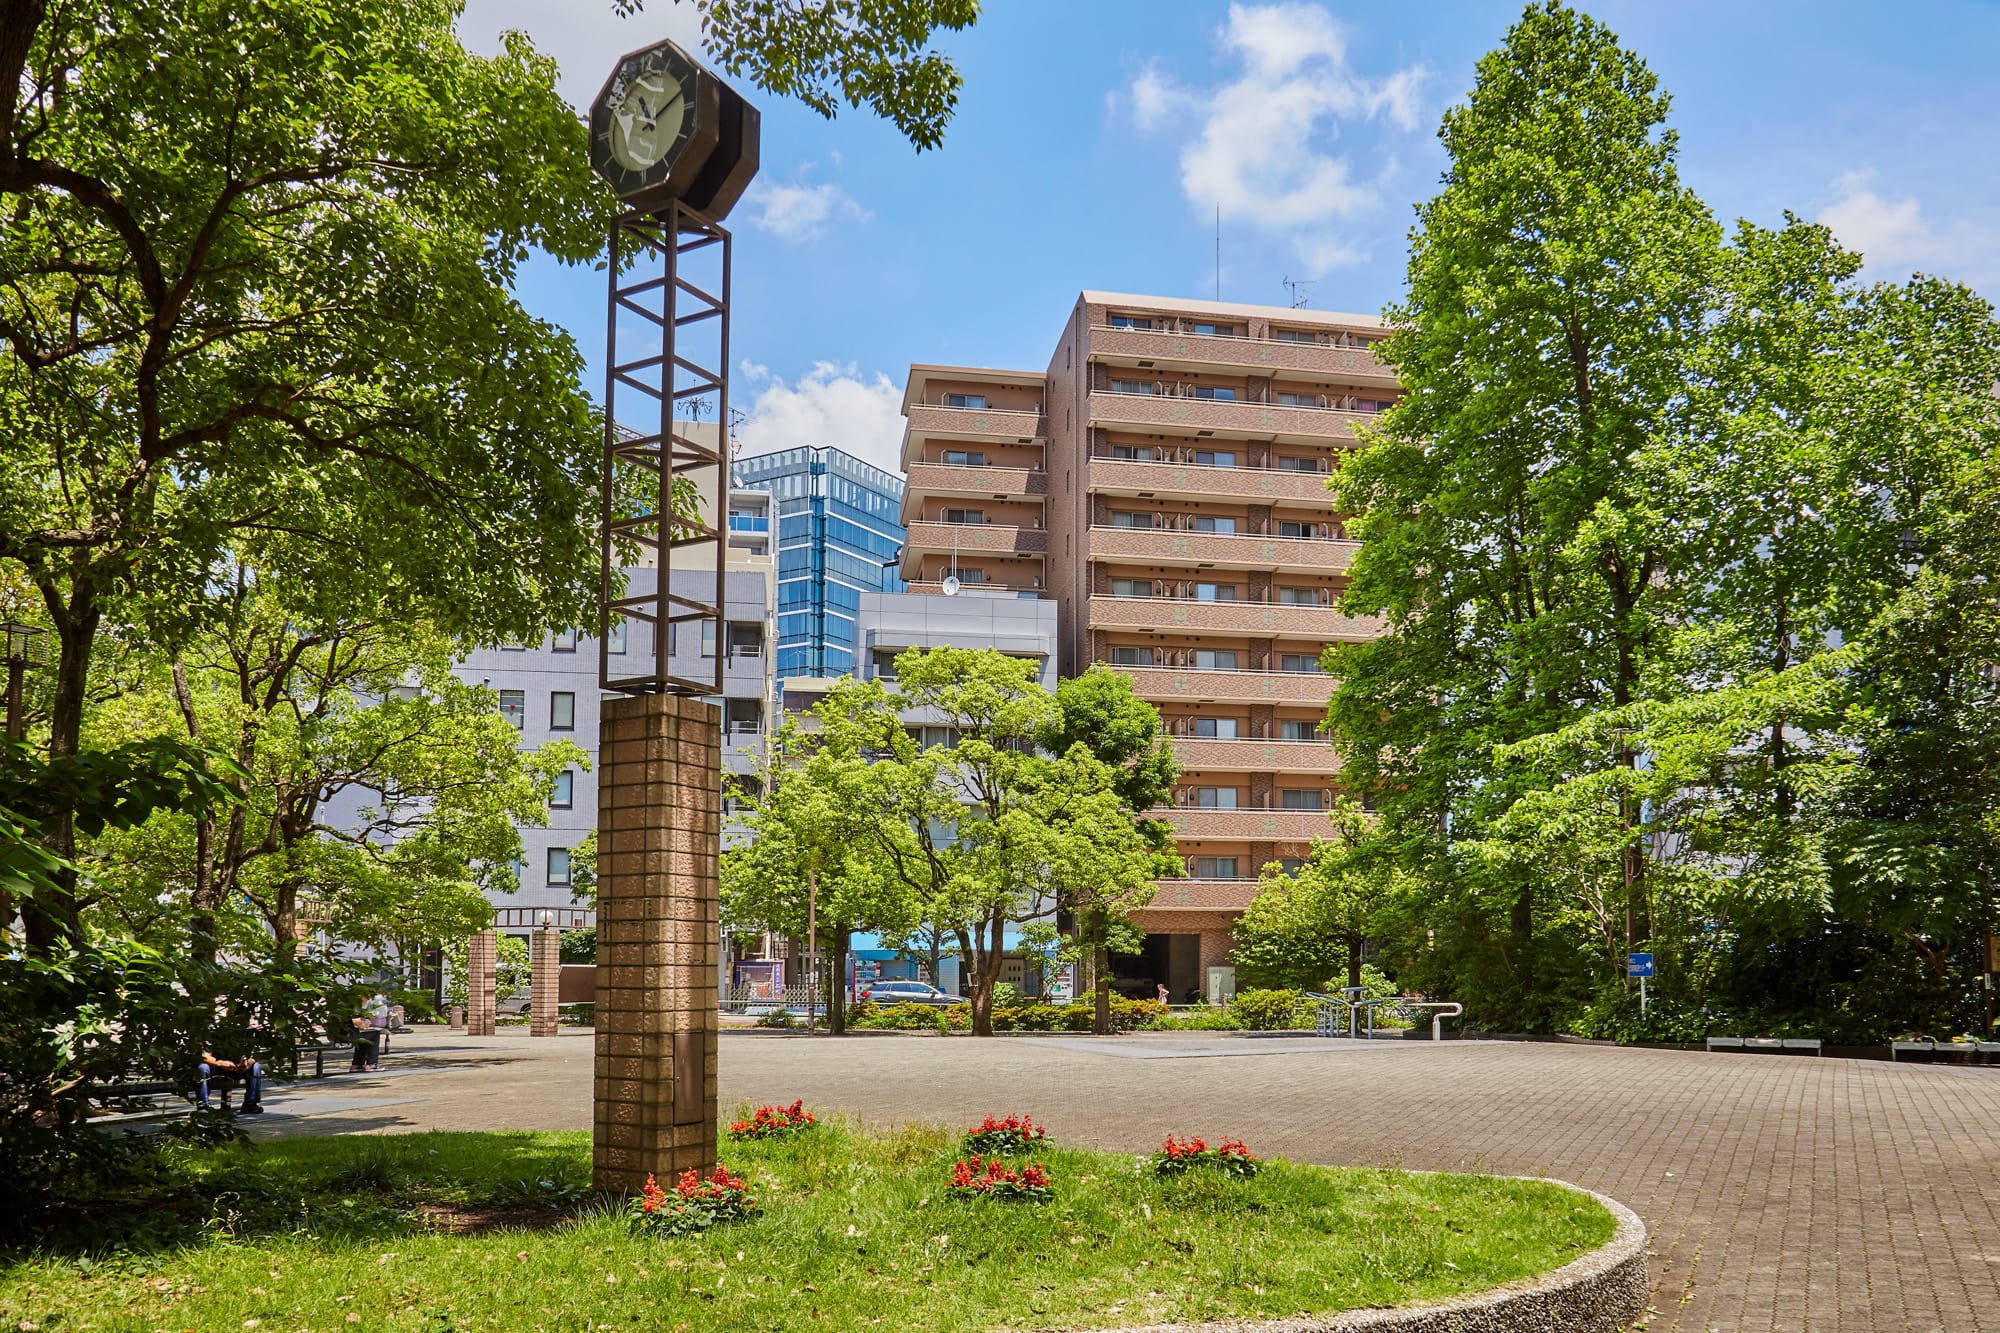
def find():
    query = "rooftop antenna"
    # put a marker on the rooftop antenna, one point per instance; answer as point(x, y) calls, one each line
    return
point(1218, 254)
point(1297, 288)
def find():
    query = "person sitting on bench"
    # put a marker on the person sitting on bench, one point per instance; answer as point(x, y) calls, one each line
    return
point(246, 1069)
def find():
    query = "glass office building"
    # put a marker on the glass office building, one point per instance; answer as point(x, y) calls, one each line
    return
point(839, 535)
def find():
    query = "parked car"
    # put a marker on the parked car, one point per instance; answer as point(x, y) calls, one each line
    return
point(909, 992)
point(517, 1003)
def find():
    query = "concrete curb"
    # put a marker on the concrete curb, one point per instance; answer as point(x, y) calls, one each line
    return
point(1602, 1292)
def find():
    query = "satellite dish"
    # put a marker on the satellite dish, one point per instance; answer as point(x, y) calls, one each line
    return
point(950, 585)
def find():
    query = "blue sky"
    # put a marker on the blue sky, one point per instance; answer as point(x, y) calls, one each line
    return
point(1094, 142)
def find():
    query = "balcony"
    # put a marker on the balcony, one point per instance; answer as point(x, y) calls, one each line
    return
point(1201, 895)
point(1256, 356)
point(973, 483)
point(1297, 826)
point(970, 539)
point(1217, 755)
point(1152, 614)
point(1115, 476)
point(1259, 687)
point(1218, 550)
point(979, 589)
point(1019, 425)
point(1221, 418)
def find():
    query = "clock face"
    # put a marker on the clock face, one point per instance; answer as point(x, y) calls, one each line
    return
point(644, 119)
point(647, 121)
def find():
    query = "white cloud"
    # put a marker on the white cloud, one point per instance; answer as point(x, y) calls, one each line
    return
point(585, 36)
point(1257, 146)
point(801, 212)
point(1895, 238)
point(832, 404)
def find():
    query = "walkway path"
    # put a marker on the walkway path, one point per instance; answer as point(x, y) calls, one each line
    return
point(1782, 1192)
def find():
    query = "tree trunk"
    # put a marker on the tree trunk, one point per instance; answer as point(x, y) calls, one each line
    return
point(1354, 960)
point(836, 1005)
point(987, 973)
point(50, 918)
point(1100, 982)
point(205, 899)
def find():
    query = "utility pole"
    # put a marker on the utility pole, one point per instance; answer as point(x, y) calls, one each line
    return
point(812, 945)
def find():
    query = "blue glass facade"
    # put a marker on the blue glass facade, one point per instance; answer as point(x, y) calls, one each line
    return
point(839, 533)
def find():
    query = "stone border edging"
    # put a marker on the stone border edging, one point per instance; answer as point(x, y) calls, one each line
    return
point(1602, 1292)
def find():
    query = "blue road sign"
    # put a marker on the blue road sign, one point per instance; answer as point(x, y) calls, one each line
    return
point(1638, 965)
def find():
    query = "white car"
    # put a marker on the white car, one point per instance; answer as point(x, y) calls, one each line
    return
point(909, 992)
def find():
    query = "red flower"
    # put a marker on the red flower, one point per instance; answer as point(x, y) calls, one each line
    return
point(652, 1197)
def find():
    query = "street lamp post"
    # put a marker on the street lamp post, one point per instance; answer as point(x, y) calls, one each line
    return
point(26, 646)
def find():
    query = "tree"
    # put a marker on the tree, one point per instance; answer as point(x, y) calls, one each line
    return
point(373, 781)
point(826, 52)
point(809, 868)
point(1305, 925)
point(256, 298)
point(1556, 285)
point(1099, 712)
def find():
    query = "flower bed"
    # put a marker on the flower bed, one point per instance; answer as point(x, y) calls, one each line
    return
point(696, 1203)
point(1179, 1156)
point(991, 1178)
point(771, 1122)
point(1016, 1134)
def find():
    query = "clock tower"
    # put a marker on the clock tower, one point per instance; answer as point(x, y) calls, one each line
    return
point(679, 146)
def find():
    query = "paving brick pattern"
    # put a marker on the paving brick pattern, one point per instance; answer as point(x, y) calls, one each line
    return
point(1782, 1192)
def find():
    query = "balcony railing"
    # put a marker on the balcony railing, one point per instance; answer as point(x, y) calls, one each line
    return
point(1242, 420)
point(1326, 623)
point(1238, 686)
point(977, 589)
point(975, 538)
point(971, 479)
point(1254, 355)
point(1233, 550)
point(1202, 895)
point(1189, 479)
point(749, 523)
point(1012, 423)
point(1297, 827)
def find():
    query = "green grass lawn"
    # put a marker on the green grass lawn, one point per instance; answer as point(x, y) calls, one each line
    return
point(450, 1232)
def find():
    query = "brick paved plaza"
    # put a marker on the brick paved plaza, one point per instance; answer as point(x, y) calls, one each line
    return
point(1782, 1192)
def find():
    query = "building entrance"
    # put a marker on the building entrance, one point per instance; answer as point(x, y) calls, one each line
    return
point(1173, 961)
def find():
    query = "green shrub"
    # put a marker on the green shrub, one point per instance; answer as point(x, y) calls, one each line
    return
point(777, 1018)
point(1266, 1010)
point(861, 1013)
point(1201, 1019)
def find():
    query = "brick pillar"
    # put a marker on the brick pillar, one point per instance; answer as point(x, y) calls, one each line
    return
point(546, 981)
point(659, 825)
point(482, 959)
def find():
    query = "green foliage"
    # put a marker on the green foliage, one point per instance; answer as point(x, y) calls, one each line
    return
point(1267, 1010)
point(512, 968)
point(872, 53)
point(1690, 602)
point(580, 945)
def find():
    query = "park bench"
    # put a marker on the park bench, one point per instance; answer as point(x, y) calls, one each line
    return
point(1780, 1044)
point(318, 1051)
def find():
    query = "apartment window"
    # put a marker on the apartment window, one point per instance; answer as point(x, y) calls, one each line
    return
point(1301, 800)
point(614, 638)
point(562, 710)
point(1215, 659)
point(564, 795)
point(885, 663)
point(1368, 405)
point(1215, 592)
point(1297, 731)
point(1132, 386)
point(1131, 587)
point(975, 401)
point(1131, 322)
point(1121, 518)
point(1292, 528)
point(708, 638)
point(1217, 728)
point(1204, 523)
point(1301, 597)
point(1291, 865)
point(1284, 464)
point(965, 515)
point(1135, 453)
point(1294, 336)
point(564, 641)
point(511, 646)
point(972, 576)
point(558, 865)
point(743, 717)
point(1303, 664)
point(1214, 330)
point(1287, 398)
point(964, 458)
point(940, 737)
point(1121, 656)
point(1213, 458)
point(1215, 798)
point(1213, 867)
point(1220, 395)
point(746, 640)
point(514, 706)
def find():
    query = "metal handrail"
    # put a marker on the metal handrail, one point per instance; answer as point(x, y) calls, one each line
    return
point(1360, 1012)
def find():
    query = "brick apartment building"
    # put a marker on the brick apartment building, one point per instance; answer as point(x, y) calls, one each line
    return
point(1164, 483)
